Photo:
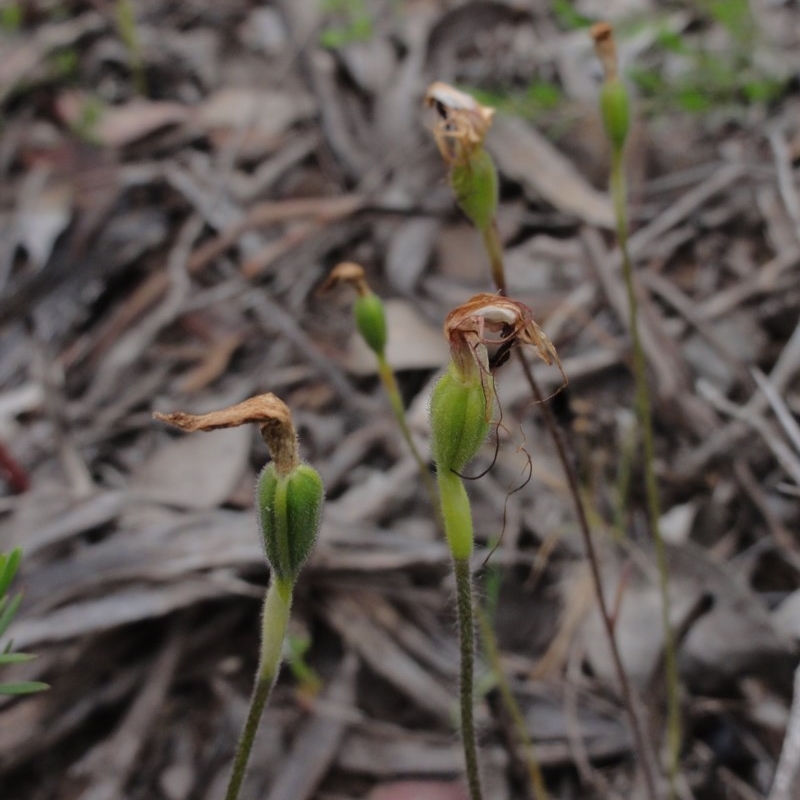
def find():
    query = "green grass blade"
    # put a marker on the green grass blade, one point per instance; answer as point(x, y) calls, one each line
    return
point(9, 564)
point(23, 687)
point(8, 613)
point(16, 658)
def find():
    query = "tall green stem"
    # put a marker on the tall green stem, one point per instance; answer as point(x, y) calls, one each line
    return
point(277, 606)
point(644, 413)
point(466, 639)
point(457, 518)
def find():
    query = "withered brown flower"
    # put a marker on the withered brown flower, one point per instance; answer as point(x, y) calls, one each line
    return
point(268, 411)
point(463, 122)
point(347, 272)
point(606, 49)
point(512, 321)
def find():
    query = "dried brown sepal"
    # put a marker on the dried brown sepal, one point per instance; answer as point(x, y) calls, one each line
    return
point(267, 411)
point(463, 122)
point(511, 320)
point(605, 47)
point(347, 272)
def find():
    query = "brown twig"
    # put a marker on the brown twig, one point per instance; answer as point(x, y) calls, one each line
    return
point(594, 563)
point(648, 770)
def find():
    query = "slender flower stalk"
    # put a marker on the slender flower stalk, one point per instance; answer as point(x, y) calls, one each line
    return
point(275, 621)
point(289, 497)
point(615, 109)
point(370, 320)
point(459, 133)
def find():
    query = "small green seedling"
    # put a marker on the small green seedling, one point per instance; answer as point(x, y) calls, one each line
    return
point(129, 33)
point(11, 18)
point(9, 564)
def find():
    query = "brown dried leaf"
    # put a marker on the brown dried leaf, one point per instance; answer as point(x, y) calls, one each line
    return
point(213, 365)
point(527, 157)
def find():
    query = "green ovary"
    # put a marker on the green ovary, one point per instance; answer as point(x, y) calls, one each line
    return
point(459, 422)
point(476, 188)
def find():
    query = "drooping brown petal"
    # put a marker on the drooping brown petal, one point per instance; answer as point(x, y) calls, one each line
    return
point(267, 411)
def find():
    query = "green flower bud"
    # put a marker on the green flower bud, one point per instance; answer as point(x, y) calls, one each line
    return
point(371, 321)
point(615, 108)
point(459, 419)
point(289, 511)
point(476, 188)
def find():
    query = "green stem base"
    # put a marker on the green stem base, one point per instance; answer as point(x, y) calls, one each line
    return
point(277, 606)
point(466, 637)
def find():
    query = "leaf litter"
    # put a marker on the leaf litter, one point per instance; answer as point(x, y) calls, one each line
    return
point(164, 251)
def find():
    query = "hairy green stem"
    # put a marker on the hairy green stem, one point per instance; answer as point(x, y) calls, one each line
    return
point(277, 606)
point(644, 413)
point(456, 513)
point(466, 640)
point(457, 518)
